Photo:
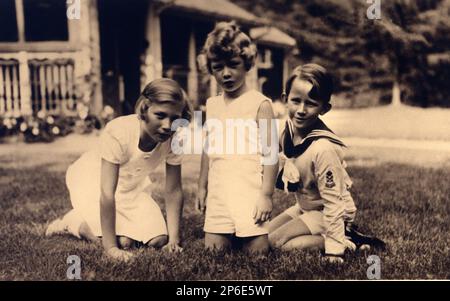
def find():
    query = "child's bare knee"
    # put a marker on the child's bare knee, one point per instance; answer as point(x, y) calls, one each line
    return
point(216, 247)
point(218, 242)
point(272, 241)
point(125, 242)
point(158, 241)
point(308, 242)
point(289, 246)
point(256, 244)
point(262, 249)
point(275, 241)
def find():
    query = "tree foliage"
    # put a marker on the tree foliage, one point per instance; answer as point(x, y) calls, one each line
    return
point(409, 44)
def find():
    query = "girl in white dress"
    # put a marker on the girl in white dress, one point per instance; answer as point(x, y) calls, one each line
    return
point(109, 186)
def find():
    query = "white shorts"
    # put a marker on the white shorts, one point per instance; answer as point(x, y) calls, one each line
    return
point(233, 189)
point(219, 220)
point(313, 219)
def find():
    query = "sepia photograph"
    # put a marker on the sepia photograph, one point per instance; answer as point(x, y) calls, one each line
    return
point(224, 140)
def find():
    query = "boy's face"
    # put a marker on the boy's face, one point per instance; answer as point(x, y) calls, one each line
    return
point(304, 111)
point(159, 118)
point(230, 74)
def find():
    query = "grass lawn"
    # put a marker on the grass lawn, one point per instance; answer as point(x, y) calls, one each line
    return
point(406, 205)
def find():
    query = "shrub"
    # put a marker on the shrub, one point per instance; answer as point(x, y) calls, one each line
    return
point(42, 127)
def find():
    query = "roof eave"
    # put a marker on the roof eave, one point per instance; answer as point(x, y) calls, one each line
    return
point(274, 44)
point(168, 4)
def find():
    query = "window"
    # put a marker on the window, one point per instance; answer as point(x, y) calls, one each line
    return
point(264, 60)
point(45, 20)
point(8, 21)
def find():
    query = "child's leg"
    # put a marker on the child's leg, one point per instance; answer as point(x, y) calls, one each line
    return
point(217, 242)
point(125, 243)
point(69, 224)
point(278, 221)
point(305, 242)
point(86, 233)
point(256, 244)
point(293, 228)
point(72, 223)
point(158, 241)
point(274, 225)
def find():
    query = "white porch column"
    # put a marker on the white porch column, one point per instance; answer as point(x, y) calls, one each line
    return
point(212, 86)
point(193, 75)
point(24, 72)
point(153, 67)
point(82, 57)
point(252, 78)
point(20, 20)
point(285, 68)
point(24, 84)
point(97, 97)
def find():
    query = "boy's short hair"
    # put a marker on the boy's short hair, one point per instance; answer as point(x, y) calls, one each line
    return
point(226, 41)
point(163, 90)
point(318, 76)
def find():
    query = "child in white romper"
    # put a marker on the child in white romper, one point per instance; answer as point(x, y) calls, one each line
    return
point(109, 186)
point(235, 186)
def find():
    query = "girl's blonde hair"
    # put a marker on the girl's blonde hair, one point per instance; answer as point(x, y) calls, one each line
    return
point(227, 41)
point(163, 90)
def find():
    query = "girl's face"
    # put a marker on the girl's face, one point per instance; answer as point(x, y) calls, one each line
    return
point(230, 75)
point(159, 118)
point(304, 111)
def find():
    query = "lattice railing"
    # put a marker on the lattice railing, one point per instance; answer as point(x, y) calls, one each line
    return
point(33, 82)
point(9, 86)
point(52, 85)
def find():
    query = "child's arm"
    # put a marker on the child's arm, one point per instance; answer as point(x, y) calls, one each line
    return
point(270, 161)
point(331, 184)
point(264, 204)
point(109, 178)
point(174, 206)
point(200, 203)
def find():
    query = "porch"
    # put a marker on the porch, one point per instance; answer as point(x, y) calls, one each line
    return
point(33, 82)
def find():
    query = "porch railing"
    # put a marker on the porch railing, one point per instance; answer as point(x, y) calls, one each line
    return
point(9, 85)
point(33, 82)
point(52, 85)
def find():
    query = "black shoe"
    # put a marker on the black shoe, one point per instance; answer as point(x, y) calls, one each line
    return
point(360, 239)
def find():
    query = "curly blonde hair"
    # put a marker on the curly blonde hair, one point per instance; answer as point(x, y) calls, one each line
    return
point(226, 41)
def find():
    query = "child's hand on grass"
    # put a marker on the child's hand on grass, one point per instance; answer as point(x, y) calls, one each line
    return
point(349, 245)
point(200, 201)
point(263, 209)
point(333, 259)
point(173, 247)
point(117, 254)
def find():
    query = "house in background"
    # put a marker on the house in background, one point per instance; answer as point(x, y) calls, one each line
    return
point(51, 63)
point(274, 47)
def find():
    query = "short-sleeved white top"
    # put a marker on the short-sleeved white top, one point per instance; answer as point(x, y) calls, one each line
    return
point(119, 144)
